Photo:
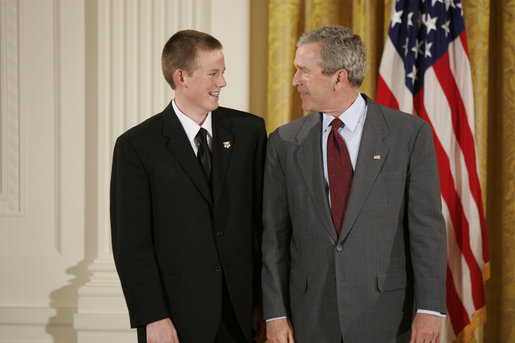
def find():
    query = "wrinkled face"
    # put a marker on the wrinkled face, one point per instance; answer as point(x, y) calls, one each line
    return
point(203, 86)
point(315, 88)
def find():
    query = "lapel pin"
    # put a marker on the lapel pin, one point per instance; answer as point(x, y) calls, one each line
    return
point(377, 157)
point(227, 144)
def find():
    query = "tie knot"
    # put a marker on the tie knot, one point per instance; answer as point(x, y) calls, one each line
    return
point(202, 136)
point(336, 124)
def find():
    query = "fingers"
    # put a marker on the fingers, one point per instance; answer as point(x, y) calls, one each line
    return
point(426, 328)
point(162, 331)
point(280, 331)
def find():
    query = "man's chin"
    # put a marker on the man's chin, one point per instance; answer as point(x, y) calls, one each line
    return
point(214, 105)
point(306, 108)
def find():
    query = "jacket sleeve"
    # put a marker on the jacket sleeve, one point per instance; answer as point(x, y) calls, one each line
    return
point(427, 231)
point(259, 164)
point(131, 229)
point(276, 235)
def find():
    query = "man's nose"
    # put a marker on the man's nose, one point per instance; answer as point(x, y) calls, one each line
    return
point(221, 81)
point(295, 79)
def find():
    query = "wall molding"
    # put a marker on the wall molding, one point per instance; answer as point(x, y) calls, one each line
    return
point(10, 149)
point(36, 316)
point(58, 234)
point(36, 324)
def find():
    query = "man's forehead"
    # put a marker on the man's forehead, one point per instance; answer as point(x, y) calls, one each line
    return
point(313, 47)
point(308, 51)
point(306, 58)
point(210, 56)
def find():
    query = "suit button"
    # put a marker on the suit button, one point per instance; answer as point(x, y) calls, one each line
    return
point(218, 268)
point(339, 248)
point(219, 234)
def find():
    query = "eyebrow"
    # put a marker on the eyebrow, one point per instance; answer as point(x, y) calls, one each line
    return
point(211, 70)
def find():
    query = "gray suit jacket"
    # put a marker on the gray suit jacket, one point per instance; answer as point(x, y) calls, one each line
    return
point(390, 257)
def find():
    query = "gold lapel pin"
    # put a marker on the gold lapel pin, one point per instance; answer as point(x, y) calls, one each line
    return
point(377, 157)
point(227, 144)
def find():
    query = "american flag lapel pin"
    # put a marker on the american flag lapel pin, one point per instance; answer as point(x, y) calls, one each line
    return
point(377, 157)
point(227, 144)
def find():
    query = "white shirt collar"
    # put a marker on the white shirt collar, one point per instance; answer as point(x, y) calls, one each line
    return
point(191, 127)
point(350, 117)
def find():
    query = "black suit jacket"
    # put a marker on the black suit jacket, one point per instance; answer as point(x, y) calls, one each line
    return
point(173, 237)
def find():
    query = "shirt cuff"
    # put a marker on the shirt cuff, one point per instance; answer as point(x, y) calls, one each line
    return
point(434, 313)
point(269, 320)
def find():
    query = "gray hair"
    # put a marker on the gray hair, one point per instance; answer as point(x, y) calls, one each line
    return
point(340, 48)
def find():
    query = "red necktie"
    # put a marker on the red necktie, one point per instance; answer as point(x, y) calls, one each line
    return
point(339, 170)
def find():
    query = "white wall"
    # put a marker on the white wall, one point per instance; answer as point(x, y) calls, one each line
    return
point(74, 74)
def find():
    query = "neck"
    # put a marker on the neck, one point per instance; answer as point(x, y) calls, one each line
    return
point(344, 102)
point(198, 118)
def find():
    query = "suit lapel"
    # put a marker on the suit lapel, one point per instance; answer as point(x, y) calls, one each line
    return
point(371, 156)
point(222, 148)
point(308, 159)
point(180, 147)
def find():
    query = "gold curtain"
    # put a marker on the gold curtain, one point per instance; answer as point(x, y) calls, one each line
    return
point(491, 40)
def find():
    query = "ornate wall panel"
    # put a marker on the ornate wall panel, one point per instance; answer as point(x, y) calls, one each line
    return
point(30, 122)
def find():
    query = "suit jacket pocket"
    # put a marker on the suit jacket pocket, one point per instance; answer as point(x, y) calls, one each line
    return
point(391, 280)
point(298, 282)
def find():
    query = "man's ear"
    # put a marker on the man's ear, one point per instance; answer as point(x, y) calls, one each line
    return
point(179, 76)
point(341, 78)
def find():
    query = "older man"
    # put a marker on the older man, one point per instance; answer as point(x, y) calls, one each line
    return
point(354, 242)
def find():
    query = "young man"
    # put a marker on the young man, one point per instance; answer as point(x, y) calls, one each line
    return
point(186, 195)
point(354, 239)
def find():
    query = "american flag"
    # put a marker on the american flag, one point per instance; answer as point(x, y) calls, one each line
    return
point(425, 70)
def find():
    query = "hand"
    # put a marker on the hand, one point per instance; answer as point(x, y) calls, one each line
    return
point(258, 324)
point(426, 328)
point(280, 331)
point(162, 331)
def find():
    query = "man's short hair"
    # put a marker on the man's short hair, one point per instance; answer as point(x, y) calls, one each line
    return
point(340, 48)
point(181, 51)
